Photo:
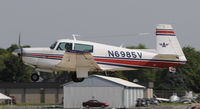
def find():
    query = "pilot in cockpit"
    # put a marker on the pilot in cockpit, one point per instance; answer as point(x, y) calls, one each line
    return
point(68, 47)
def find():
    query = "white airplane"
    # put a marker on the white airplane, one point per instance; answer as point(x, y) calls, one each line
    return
point(81, 57)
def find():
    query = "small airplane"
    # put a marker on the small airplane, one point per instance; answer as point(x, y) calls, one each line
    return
point(81, 57)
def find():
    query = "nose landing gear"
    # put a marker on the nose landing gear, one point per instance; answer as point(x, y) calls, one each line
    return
point(35, 77)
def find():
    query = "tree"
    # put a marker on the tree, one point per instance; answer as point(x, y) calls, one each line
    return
point(11, 68)
point(15, 46)
point(144, 75)
point(2, 51)
point(187, 76)
point(12, 48)
point(14, 70)
point(191, 70)
point(140, 46)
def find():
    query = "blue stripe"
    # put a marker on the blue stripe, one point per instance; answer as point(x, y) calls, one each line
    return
point(141, 59)
point(44, 57)
point(46, 54)
point(121, 65)
point(103, 57)
point(166, 34)
point(164, 30)
point(77, 51)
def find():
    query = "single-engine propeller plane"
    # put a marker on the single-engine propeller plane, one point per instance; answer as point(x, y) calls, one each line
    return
point(81, 57)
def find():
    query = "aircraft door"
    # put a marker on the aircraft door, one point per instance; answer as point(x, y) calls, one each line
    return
point(68, 47)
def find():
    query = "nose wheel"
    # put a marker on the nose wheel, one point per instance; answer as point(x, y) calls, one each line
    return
point(35, 77)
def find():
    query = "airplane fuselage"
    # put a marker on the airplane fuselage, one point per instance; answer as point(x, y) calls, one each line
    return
point(80, 57)
point(108, 58)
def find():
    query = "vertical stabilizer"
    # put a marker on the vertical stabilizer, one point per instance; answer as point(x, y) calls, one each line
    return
point(167, 43)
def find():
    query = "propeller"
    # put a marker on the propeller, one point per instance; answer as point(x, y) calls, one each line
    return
point(20, 47)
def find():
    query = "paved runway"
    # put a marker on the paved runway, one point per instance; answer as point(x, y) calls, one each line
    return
point(60, 107)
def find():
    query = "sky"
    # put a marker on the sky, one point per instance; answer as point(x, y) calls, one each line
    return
point(114, 22)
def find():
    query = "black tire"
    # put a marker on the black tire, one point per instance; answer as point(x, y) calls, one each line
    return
point(35, 77)
point(14, 103)
point(87, 106)
point(102, 106)
point(75, 79)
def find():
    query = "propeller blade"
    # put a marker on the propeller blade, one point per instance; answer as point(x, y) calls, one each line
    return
point(20, 47)
point(19, 39)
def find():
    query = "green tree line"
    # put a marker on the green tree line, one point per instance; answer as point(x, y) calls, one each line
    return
point(11, 67)
point(186, 77)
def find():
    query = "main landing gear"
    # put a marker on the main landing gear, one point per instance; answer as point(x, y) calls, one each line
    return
point(75, 79)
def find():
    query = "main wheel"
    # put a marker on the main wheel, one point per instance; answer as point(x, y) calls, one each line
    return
point(35, 77)
point(75, 79)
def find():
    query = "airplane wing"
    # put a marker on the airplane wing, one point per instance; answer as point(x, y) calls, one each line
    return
point(79, 62)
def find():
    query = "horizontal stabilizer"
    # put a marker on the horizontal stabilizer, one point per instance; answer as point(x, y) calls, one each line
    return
point(167, 57)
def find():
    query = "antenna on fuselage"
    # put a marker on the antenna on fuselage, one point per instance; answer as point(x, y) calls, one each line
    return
point(74, 36)
point(121, 46)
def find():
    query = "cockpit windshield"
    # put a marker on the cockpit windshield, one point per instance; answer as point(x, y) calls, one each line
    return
point(53, 45)
point(63, 46)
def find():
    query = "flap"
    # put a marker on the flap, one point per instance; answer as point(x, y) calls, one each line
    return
point(72, 61)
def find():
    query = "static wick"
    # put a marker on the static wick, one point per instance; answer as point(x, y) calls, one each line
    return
point(142, 34)
point(121, 46)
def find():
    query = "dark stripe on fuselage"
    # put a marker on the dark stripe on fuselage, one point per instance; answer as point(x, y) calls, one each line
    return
point(141, 59)
point(123, 62)
point(44, 56)
point(127, 66)
point(165, 35)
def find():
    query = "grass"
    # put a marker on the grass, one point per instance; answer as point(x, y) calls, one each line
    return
point(28, 104)
point(174, 104)
point(34, 104)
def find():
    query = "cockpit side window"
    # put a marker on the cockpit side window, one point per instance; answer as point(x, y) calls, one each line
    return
point(61, 46)
point(53, 45)
point(64, 46)
point(83, 47)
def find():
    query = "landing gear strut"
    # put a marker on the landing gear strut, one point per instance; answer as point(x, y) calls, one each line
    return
point(35, 77)
point(75, 79)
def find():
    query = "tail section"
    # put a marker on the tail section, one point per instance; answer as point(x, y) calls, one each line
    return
point(168, 46)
